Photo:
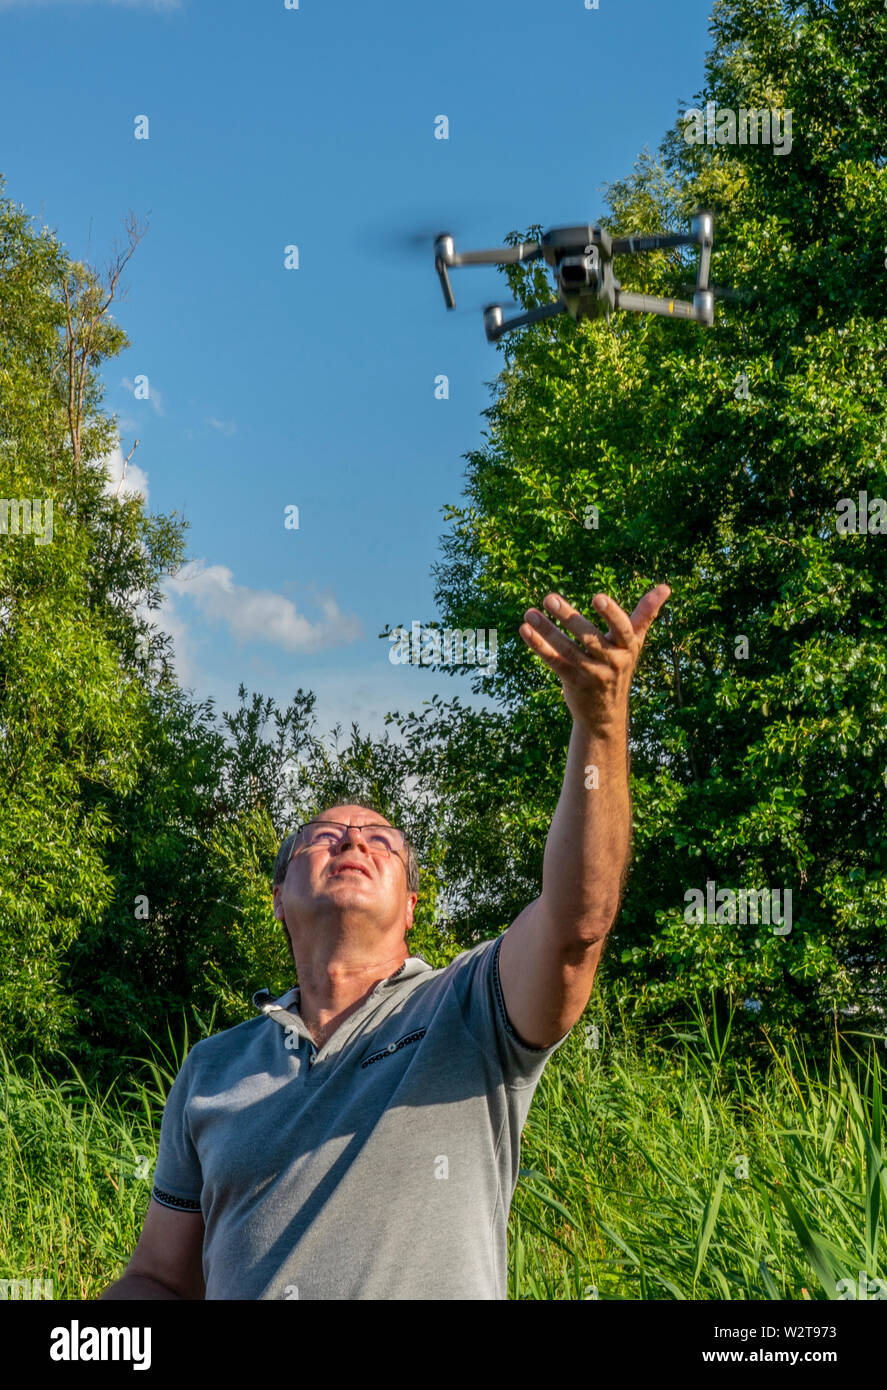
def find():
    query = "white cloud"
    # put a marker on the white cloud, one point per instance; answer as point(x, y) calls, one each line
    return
point(223, 426)
point(344, 694)
point(260, 614)
point(136, 479)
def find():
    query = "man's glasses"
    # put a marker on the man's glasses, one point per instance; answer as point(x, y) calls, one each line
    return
point(385, 839)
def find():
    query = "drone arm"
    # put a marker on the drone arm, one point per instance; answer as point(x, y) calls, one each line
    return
point(628, 245)
point(503, 255)
point(495, 325)
point(446, 255)
point(701, 310)
point(701, 234)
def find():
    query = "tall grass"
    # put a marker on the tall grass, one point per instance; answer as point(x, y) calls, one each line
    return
point(651, 1169)
point(76, 1169)
point(675, 1172)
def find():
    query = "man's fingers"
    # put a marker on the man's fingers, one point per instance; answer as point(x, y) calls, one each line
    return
point(546, 641)
point(648, 608)
point(593, 641)
point(623, 631)
point(620, 633)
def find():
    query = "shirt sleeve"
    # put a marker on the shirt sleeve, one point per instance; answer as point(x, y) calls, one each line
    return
point(178, 1178)
point(476, 981)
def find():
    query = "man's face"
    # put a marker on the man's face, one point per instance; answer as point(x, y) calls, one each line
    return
point(351, 878)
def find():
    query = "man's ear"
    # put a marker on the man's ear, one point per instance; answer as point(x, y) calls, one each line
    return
point(412, 899)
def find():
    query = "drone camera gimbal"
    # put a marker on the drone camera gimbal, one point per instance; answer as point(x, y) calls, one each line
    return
point(582, 261)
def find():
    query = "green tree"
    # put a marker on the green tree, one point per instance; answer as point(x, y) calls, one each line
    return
point(138, 831)
point(73, 646)
point(759, 742)
point(189, 921)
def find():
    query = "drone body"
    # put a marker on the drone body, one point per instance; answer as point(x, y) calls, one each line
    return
point(582, 260)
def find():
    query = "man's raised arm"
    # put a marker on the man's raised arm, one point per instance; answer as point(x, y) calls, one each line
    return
point(551, 951)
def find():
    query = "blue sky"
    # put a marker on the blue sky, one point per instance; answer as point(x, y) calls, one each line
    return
point(314, 387)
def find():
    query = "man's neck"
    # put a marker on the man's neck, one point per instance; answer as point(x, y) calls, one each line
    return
point(328, 995)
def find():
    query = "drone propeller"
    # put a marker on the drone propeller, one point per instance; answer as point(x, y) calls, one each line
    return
point(476, 308)
point(416, 239)
point(420, 239)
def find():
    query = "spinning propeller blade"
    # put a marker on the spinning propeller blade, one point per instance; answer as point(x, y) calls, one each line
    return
point(413, 235)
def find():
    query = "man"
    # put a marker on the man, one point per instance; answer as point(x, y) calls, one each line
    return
point(360, 1139)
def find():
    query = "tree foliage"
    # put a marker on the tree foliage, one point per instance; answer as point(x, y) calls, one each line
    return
point(138, 830)
point(73, 656)
point(716, 460)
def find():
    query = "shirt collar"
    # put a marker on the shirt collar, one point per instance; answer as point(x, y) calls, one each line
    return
point(262, 1000)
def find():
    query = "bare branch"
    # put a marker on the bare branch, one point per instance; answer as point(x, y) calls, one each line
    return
point(125, 462)
point(82, 320)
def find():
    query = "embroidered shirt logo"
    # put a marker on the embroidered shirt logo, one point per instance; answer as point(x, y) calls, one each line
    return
point(394, 1047)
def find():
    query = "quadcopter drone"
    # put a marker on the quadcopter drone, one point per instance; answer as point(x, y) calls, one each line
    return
point(582, 259)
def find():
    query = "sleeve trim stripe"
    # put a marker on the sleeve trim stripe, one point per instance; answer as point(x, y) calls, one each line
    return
point(168, 1199)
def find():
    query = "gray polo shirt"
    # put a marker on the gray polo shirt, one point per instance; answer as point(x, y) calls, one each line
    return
point(381, 1166)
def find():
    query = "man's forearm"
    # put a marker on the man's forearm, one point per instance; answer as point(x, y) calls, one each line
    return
point(587, 851)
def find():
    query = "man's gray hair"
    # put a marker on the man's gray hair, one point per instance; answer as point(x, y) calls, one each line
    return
point(281, 863)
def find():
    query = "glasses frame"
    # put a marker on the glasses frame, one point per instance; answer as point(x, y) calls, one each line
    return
point(340, 825)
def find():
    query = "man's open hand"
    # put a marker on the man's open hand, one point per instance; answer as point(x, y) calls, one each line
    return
point(595, 669)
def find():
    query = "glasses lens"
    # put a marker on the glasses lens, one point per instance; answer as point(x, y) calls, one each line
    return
point(319, 834)
point(383, 836)
point(377, 836)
